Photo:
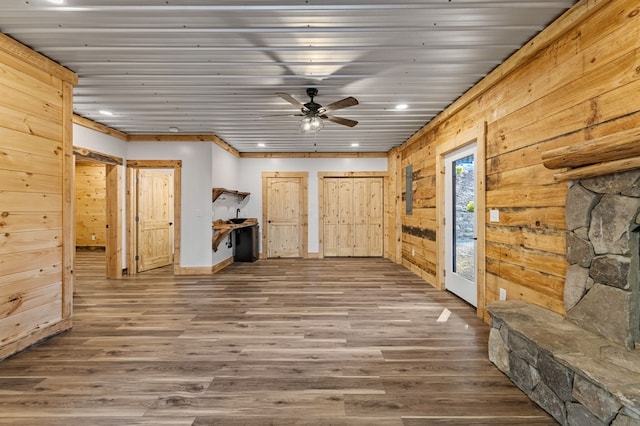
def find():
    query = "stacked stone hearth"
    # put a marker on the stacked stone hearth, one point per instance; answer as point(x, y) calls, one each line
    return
point(584, 368)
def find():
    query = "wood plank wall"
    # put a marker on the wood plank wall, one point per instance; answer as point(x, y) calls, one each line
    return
point(577, 80)
point(393, 200)
point(35, 202)
point(91, 205)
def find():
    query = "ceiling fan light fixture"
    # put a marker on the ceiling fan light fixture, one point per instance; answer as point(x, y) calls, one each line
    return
point(311, 124)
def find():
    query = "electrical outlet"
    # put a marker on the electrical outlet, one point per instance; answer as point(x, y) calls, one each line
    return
point(93, 237)
point(503, 294)
point(494, 215)
point(413, 252)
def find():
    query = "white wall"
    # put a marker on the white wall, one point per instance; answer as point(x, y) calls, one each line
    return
point(225, 175)
point(250, 179)
point(105, 144)
point(99, 142)
point(206, 165)
point(195, 242)
point(196, 185)
point(225, 169)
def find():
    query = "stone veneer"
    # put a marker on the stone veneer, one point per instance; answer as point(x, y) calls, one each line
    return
point(577, 376)
point(582, 368)
point(602, 286)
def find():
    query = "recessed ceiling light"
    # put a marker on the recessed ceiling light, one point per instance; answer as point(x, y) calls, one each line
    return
point(56, 1)
point(261, 145)
point(105, 112)
point(355, 144)
point(402, 106)
point(174, 129)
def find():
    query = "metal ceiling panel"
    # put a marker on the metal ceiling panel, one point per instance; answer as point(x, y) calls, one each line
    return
point(207, 66)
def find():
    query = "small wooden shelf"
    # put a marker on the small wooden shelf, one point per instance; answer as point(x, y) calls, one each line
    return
point(217, 192)
point(222, 229)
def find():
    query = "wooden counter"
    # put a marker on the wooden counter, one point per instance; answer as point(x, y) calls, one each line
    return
point(222, 229)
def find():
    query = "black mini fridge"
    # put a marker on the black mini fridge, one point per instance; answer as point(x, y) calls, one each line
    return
point(246, 244)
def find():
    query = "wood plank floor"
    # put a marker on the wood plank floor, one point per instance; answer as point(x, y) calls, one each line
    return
point(277, 342)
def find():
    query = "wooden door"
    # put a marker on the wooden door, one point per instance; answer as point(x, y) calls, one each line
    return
point(353, 208)
point(345, 212)
point(368, 215)
point(375, 216)
point(361, 217)
point(154, 219)
point(285, 216)
point(331, 218)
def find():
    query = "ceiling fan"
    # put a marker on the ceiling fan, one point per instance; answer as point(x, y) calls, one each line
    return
point(314, 113)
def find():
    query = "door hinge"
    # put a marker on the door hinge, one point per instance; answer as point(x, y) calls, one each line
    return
point(137, 258)
point(137, 219)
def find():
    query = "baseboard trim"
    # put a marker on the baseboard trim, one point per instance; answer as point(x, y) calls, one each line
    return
point(220, 266)
point(192, 270)
point(202, 270)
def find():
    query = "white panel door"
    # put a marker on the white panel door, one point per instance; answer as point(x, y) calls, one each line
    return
point(460, 224)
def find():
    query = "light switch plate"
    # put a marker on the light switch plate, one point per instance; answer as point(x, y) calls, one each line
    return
point(503, 294)
point(494, 215)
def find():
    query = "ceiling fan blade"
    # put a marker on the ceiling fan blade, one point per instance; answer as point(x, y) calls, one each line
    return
point(342, 103)
point(281, 115)
point(293, 101)
point(340, 120)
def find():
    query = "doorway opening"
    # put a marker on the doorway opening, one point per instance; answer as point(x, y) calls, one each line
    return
point(98, 206)
point(460, 212)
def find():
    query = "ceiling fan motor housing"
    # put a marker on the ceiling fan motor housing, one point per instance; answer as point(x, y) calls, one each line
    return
point(312, 106)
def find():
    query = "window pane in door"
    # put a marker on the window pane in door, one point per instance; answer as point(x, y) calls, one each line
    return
point(464, 217)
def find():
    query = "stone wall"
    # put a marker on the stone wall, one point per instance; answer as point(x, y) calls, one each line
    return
point(582, 368)
point(602, 285)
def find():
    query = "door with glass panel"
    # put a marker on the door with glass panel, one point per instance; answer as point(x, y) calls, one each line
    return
point(460, 224)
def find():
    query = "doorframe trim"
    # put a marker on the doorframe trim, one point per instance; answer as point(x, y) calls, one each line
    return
point(304, 210)
point(132, 165)
point(114, 220)
point(478, 135)
point(376, 174)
